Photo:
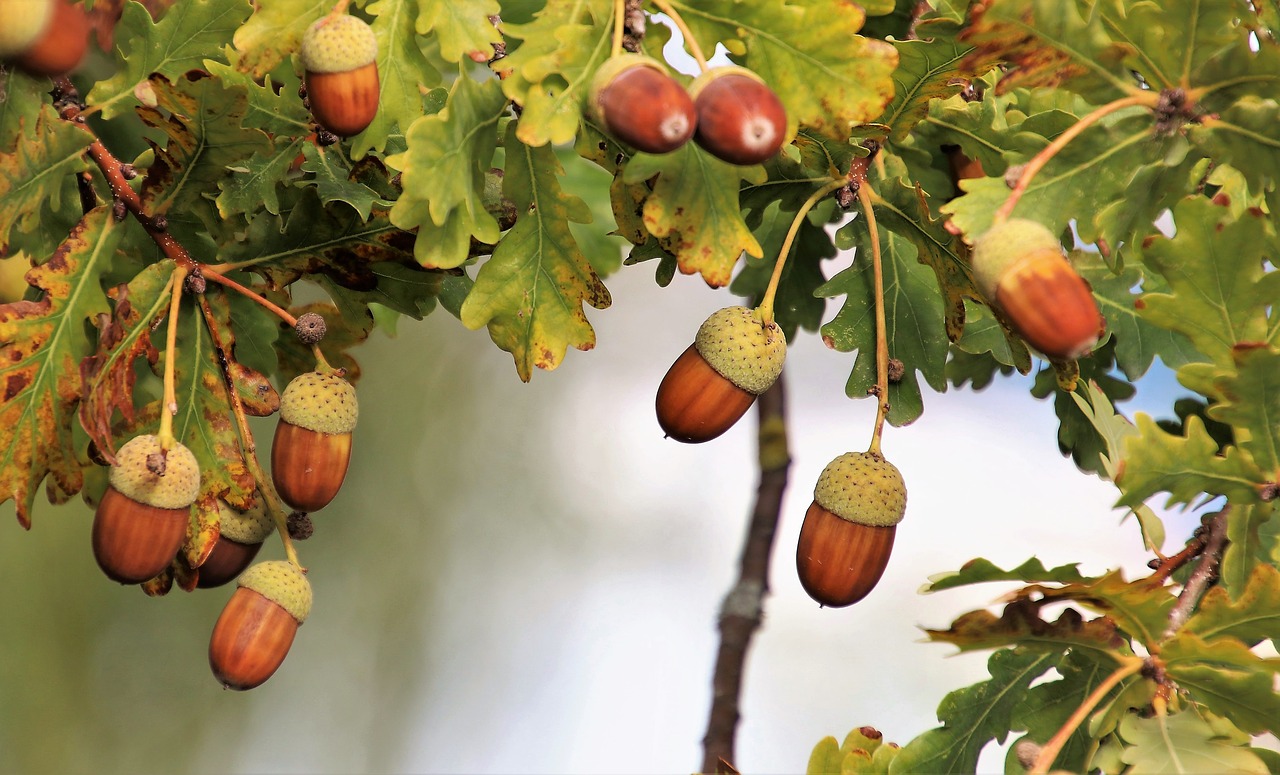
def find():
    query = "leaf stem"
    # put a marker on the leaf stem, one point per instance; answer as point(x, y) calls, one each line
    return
point(882, 341)
point(1051, 749)
point(771, 292)
point(689, 41)
point(169, 403)
point(619, 22)
point(1049, 151)
point(272, 307)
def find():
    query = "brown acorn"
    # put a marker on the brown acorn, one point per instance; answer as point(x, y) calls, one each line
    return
point(848, 531)
point(240, 536)
point(339, 53)
point(735, 357)
point(142, 519)
point(256, 628)
point(1020, 266)
point(43, 37)
point(312, 447)
point(740, 119)
point(639, 103)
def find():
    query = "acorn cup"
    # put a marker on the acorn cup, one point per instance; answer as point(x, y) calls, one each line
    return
point(240, 536)
point(1020, 267)
point(848, 531)
point(43, 37)
point(141, 521)
point(339, 54)
point(639, 103)
point(312, 447)
point(256, 628)
point(734, 358)
point(740, 119)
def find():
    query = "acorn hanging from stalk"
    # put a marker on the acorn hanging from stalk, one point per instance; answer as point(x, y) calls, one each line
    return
point(339, 53)
point(312, 447)
point(740, 119)
point(848, 531)
point(638, 102)
point(240, 536)
point(43, 37)
point(257, 627)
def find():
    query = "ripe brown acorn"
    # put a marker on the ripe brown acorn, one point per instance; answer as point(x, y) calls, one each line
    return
point(1020, 267)
point(240, 536)
point(339, 53)
point(735, 357)
point(142, 519)
point(848, 531)
point(256, 628)
point(43, 37)
point(312, 447)
point(740, 119)
point(639, 103)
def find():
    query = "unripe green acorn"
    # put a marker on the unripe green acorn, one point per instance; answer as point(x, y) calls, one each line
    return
point(312, 447)
point(339, 53)
point(639, 103)
point(256, 628)
point(735, 357)
point(240, 536)
point(43, 37)
point(1020, 267)
point(141, 522)
point(740, 119)
point(848, 531)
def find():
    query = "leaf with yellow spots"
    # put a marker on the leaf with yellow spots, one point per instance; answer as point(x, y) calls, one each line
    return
point(41, 345)
point(32, 175)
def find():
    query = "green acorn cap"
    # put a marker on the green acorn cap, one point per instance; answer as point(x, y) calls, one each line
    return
point(1003, 245)
point(176, 489)
point(281, 582)
point(864, 488)
point(338, 44)
point(246, 527)
point(24, 22)
point(324, 403)
point(742, 349)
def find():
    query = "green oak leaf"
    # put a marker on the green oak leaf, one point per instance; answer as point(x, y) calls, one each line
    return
point(1249, 401)
point(530, 292)
point(41, 344)
point(274, 107)
point(1175, 40)
point(693, 209)
point(179, 42)
point(21, 96)
point(1181, 743)
point(274, 31)
point(253, 184)
point(980, 128)
point(1187, 467)
point(1244, 135)
point(913, 320)
point(1252, 616)
point(1045, 709)
point(404, 73)
point(334, 180)
point(461, 26)
point(444, 173)
point(980, 571)
point(928, 70)
point(1226, 677)
point(34, 176)
point(1251, 544)
point(828, 77)
point(974, 716)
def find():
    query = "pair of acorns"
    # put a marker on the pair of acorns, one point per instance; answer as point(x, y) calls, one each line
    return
point(729, 111)
point(142, 520)
point(43, 37)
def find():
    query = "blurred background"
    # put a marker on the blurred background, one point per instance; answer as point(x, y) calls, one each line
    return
point(526, 577)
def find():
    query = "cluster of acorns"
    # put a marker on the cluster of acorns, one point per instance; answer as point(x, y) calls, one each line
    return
point(141, 524)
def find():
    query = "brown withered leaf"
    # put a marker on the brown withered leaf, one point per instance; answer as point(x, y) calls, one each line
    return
point(1020, 624)
point(203, 531)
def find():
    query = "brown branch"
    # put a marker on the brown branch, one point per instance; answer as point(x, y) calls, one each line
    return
point(742, 611)
point(1205, 573)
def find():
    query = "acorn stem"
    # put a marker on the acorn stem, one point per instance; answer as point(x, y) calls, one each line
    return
point(262, 301)
point(1051, 749)
point(689, 41)
point(619, 22)
point(766, 303)
point(169, 406)
point(882, 341)
point(339, 8)
point(1049, 151)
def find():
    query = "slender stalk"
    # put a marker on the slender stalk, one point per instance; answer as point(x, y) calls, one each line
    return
point(882, 341)
point(742, 611)
point(169, 404)
point(247, 444)
point(1052, 748)
point(689, 41)
point(619, 23)
point(1049, 151)
point(766, 303)
point(339, 7)
point(278, 311)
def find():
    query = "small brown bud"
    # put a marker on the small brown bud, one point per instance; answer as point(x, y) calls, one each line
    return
point(300, 526)
point(896, 371)
point(310, 328)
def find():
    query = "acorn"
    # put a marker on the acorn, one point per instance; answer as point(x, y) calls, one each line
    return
point(639, 103)
point(256, 628)
point(735, 357)
point(43, 37)
point(1020, 266)
point(240, 536)
point(141, 521)
point(312, 445)
point(740, 119)
point(848, 531)
point(339, 54)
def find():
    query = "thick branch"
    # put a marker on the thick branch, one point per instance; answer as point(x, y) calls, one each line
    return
point(743, 608)
point(1205, 573)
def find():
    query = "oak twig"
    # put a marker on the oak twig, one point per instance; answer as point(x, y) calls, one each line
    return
point(743, 609)
point(1205, 573)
